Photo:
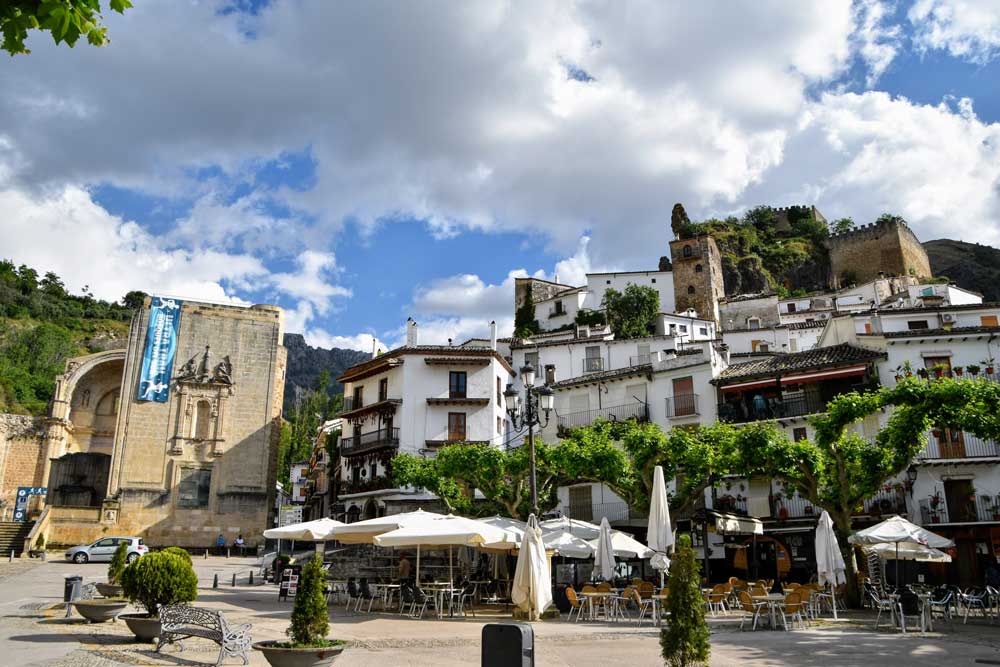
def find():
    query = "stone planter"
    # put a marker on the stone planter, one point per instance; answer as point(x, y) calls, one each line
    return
point(109, 590)
point(100, 611)
point(298, 657)
point(146, 628)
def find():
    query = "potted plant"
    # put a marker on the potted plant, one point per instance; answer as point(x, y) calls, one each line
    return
point(935, 500)
point(782, 510)
point(939, 370)
point(923, 373)
point(155, 580)
point(111, 588)
point(958, 370)
point(308, 645)
point(989, 365)
point(973, 369)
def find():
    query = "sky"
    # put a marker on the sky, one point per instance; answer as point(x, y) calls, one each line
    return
point(361, 163)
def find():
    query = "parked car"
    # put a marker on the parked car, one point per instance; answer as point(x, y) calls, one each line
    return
point(104, 548)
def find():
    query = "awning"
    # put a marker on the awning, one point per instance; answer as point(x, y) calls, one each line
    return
point(824, 375)
point(729, 524)
point(756, 384)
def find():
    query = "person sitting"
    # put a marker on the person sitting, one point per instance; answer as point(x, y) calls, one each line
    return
point(220, 544)
point(241, 543)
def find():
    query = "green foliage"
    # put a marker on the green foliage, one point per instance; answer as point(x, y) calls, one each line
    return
point(586, 317)
point(177, 551)
point(310, 621)
point(842, 226)
point(525, 324)
point(631, 312)
point(30, 358)
point(118, 562)
point(298, 434)
point(159, 579)
point(66, 20)
point(685, 641)
point(889, 218)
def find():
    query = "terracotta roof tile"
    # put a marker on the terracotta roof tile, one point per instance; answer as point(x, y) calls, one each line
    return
point(820, 357)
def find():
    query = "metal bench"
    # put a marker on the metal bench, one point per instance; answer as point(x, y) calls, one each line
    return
point(181, 621)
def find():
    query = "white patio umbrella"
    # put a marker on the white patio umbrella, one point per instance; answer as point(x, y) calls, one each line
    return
point(512, 526)
point(364, 532)
point(916, 552)
point(566, 544)
point(903, 534)
point(659, 533)
point(587, 531)
point(446, 531)
point(531, 589)
point(311, 531)
point(604, 556)
point(624, 545)
point(829, 561)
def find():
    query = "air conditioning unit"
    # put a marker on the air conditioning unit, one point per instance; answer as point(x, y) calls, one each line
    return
point(949, 318)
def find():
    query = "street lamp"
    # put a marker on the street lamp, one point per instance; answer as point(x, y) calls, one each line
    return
point(527, 416)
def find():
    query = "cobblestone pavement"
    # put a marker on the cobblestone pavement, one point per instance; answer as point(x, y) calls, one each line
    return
point(33, 631)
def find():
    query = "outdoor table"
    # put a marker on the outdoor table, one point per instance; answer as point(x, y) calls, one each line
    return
point(440, 591)
point(773, 600)
point(590, 596)
point(387, 590)
point(925, 599)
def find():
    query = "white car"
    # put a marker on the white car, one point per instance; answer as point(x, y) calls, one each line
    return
point(104, 549)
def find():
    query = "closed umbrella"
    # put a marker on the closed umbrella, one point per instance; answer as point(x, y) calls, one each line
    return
point(604, 552)
point(659, 534)
point(829, 561)
point(531, 589)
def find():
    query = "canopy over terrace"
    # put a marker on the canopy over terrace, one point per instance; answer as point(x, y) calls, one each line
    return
point(310, 531)
point(364, 532)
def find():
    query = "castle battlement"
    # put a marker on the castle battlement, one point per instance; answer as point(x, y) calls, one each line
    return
point(889, 247)
point(873, 230)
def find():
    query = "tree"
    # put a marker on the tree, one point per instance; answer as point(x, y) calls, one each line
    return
point(118, 562)
point(632, 311)
point(133, 300)
point(684, 641)
point(525, 324)
point(66, 20)
point(888, 218)
point(298, 435)
point(839, 469)
point(841, 226)
point(159, 579)
point(310, 617)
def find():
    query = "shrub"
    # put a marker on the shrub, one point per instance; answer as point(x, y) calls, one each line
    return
point(310, 622)
point(177, 551)
point(685, 641)
point(118, 562)
point(159, 579)
point(592, 318)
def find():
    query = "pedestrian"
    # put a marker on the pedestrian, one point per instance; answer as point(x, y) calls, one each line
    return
point(220, 544)
point(404, 569)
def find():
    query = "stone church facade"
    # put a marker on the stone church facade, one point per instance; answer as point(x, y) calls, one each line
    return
point(178, 472)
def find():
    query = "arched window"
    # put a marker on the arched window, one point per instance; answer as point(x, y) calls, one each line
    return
point(687, 251)
point(202, 420)
point(690, 289)
point(697, 268)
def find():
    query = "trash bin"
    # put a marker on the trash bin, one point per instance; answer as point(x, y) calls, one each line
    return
point(508, 645)
point(72, 585)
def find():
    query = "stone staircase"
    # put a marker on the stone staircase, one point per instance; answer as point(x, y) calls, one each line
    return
point(12, 536)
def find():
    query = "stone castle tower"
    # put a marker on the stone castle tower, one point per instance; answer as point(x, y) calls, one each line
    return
point(888, 248)
point(697, 268)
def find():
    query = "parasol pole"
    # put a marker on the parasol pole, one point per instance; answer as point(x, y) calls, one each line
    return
point(418, 566)
point(898, 587)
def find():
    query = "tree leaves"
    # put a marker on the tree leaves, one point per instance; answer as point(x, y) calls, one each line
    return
point(65, 20)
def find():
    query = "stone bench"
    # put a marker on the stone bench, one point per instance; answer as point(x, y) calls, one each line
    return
point(181, 621)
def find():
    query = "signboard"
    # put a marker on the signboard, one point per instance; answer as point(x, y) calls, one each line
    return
point(21, 502)
point(161, 346)
point(290, 516)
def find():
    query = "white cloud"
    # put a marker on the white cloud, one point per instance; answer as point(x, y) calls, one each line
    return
point(877, 39)
point(364, 342)
point(968, 29)
point(438, 330)
point(310, 283)
point(467, 295)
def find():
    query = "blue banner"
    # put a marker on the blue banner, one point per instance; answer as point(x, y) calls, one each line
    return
point(161, 346)
point(21, 502)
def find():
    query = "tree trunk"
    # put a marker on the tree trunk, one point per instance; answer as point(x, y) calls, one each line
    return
point(842, 528)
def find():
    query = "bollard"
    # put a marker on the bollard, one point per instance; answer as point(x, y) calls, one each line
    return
point(206, 554)
point(227, 552)
point(234, 580)
point(11, 559)
point(215, 581)
point(251, 577)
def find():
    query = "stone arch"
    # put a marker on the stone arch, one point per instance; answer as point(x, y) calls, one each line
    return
point(371, 509)
point(686, 252)
point(84, 408)
point(691, 289)
point(698, 268)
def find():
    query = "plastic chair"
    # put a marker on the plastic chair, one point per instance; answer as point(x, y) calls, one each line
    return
point(750, 609)
point(910, 604)
point(792, 609)
point(352, 593)
point(366, 595)
point(717, 599)
point(574, 604)
point(642, 606)
point(941, 602)
point(880, 604)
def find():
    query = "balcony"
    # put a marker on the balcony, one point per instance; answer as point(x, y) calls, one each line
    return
point(352, 403)
point(885, 503)
point(639, 359)
point(593, 364)
point(796, 405)
point(978, 507)
point(366, 442)
point(967, 446)
point(792, 506)
point(682, 405)
point(731, 504)
point(637, 411)
point(615, 512)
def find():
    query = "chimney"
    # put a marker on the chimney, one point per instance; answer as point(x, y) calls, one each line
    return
point(374, 347)
point(411, 332)
point(493, 335)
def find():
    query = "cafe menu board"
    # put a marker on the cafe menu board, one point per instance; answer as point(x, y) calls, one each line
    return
point(289, 585)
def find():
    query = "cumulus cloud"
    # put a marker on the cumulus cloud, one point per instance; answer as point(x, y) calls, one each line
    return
point(877, 39)
point(968, 29)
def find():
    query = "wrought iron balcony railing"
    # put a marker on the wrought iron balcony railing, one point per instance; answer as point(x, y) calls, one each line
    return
point(365, 442)
point(637, 411)
point(682, 405)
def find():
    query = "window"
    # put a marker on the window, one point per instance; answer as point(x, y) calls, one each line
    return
point(697, 268)
point(868, 327)
point(683, 328)
point(550, 373)
point(456, 384)
point(358, 399)
point(609, 282)
point(581, 502)
point(793, 344)
point(753, 323)
point(690, 289)
point(917, 324)
point(531, 358)
point(373, 470)
point(456, 426)
point(764, 347)
point(203, 420)
point(654, 281)
point(383, 389)
point(685, 402)
point(988, 321)
point(951, 443)
point(702, 331)
point(193, 488)
point(499, 425)
point(931, 362)
point(499, 392)
point(559, 310)
point(799, 433)
point(791, 308)
point(106, 542)
point(687, 251)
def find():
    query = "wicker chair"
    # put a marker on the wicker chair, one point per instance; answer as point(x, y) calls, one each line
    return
point(751, 610)
point(574, 604)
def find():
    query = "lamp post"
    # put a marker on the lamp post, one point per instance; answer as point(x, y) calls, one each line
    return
point(526, 415)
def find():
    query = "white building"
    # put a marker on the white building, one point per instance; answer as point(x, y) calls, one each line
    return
point(415, 399)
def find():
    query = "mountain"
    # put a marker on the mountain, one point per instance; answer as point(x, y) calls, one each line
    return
point(305, 363)
point(970, 265)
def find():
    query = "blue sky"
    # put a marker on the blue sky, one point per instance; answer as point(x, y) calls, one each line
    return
point(359, 164)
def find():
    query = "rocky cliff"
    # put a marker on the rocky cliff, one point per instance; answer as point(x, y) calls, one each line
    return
point(970, 265)
point(305, 363)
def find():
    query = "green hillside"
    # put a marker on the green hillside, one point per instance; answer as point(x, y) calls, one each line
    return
point(41, 325)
